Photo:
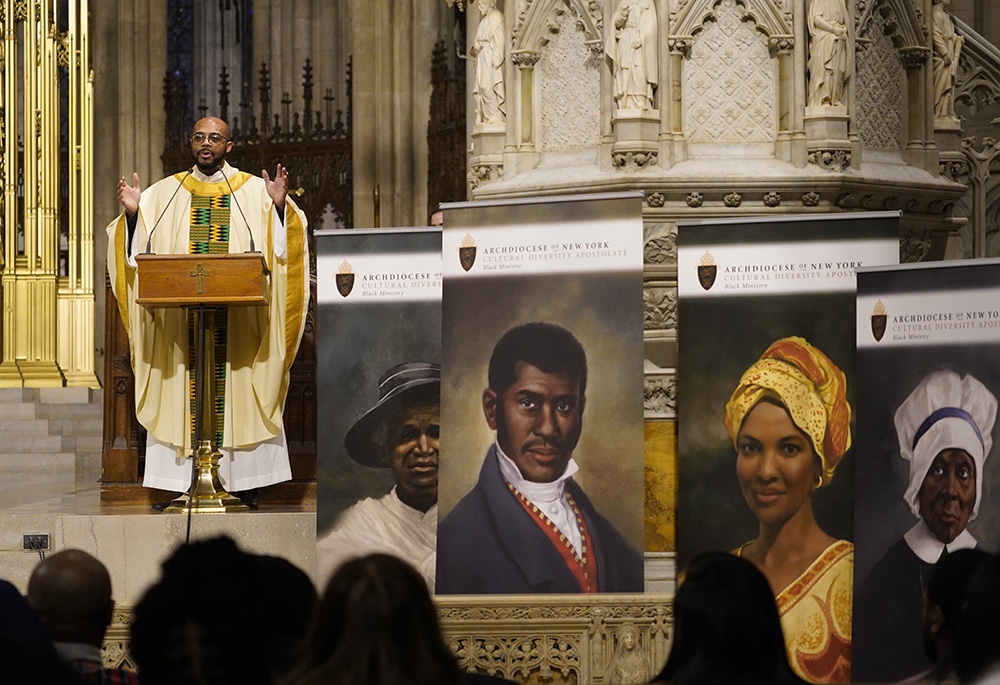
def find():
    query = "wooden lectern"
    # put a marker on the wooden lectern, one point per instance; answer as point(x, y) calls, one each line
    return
point(203, 283)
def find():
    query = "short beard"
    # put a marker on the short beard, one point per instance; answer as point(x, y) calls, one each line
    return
point(209, 169)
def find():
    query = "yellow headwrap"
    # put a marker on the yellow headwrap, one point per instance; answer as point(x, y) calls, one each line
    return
point(810, 386)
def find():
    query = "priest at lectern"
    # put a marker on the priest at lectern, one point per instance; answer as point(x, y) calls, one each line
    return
point(213, 209)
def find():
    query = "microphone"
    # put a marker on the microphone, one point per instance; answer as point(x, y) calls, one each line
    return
point(149, 238)
point(233, 195)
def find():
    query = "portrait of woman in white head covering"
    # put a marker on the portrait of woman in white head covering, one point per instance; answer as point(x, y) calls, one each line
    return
point(944, 429)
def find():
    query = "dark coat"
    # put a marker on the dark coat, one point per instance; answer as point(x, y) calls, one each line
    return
point(887, 641)
point(488, 544)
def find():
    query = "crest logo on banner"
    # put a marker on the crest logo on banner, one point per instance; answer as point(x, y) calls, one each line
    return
point(345, 279)
point(707, 271)
point(879, 320)
point(467, 252)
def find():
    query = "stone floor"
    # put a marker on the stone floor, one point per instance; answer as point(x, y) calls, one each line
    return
point(50, 485)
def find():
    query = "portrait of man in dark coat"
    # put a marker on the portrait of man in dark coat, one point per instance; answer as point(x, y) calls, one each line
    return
point(527, 526)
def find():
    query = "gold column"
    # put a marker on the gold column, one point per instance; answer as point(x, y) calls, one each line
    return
point(76, 288)
point(13, 75)
point(46, 319)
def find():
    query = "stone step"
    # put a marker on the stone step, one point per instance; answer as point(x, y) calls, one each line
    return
point(84, 443)
point(15, 395)
point(31, 462)
point(64, 412)
point(17, 411)
point(35, 444)
point(67, 395)
point(22, 426)
point(76, 427)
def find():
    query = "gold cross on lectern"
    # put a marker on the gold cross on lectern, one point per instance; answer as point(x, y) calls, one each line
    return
point(201, 273)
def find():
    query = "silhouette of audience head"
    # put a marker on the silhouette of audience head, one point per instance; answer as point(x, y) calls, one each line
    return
point(977, 639)
point(375, 624)
point(726, 627)
point(946, 590)
point(222, 616)
point(27, 655)
point(71, 593)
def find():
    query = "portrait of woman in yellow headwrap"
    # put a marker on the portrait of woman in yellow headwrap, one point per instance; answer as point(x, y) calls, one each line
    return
point(789, 421)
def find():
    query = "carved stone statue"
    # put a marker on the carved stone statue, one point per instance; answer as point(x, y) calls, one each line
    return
point(633, 53)
point(947, 48)
point(831, 55)
point(629, 663)
point(488, 50)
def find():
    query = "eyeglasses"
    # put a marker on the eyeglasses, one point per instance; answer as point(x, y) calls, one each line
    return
point(213, 138)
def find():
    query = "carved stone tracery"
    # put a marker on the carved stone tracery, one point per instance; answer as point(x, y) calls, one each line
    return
point(539, 638)
point(902, 23)
point(837, 160)
point(659, 399)
point(568, 86)
point(539, 21)
point(660, 248)
point(484, 173)
point(879, 91)
point(660, 308)
point(730, 82)
point(631, 161)
point(766, 16)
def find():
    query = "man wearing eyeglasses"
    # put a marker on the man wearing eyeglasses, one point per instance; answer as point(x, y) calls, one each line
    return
point(210, 209)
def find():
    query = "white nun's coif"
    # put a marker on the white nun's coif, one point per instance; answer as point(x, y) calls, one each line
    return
point(945, 411)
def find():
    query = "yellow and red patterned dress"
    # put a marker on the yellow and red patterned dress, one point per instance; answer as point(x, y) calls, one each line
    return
point(815, 612)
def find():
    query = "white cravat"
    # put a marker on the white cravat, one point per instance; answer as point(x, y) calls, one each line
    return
point(928, 548)
point(550, 498)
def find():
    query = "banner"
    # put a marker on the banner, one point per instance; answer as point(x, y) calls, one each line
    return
point(765, 386)
point(928, 379)
point(542, 451)
point(378, 333)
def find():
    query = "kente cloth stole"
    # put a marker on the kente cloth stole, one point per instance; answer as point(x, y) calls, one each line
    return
point(582, 566)
point(209, 234)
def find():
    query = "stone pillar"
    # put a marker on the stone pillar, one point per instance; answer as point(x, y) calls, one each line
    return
point(780, 48)
point(525, 61)
point(914, 60)
point(142, 58)
point(391, 104)
point(679, 49)
point(799, 147)
point(285, 34)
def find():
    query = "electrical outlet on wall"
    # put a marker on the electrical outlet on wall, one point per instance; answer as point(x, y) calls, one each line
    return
point(36, 542)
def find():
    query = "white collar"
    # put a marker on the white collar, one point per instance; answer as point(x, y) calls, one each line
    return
point(928, 548)
point(217, 177)
point(535, 492)
point(406, 510)
point(78, 651)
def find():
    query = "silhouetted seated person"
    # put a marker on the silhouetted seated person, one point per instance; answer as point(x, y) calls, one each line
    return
point(27, 654)
point(71, 593)
point(220, 616)
point(376, 625)
point(726, 627)
point(977, 641)
point(946, 591)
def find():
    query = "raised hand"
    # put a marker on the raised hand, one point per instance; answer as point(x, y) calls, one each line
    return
point(278, 188)
point(128, 195)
